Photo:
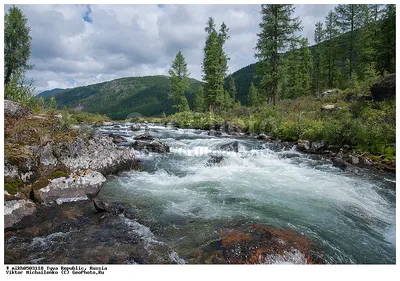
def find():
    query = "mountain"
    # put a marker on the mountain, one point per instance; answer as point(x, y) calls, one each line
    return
point(49, 92)
point(124, 97)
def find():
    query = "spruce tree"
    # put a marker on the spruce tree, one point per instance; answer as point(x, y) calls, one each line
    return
point(317, 58)
point(386, 55)
point(179, 81)
point(277, 31)
point(304, 67)
point(198, 103)
point(252, 99)
point(330, 49)
point(184, 105)
point(232, 90)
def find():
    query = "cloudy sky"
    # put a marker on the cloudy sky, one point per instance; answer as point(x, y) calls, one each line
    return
point(75, 45)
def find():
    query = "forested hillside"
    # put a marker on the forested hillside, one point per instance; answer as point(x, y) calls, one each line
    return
point(126, 96)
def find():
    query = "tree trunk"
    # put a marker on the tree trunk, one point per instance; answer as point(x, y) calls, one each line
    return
point(8, 76)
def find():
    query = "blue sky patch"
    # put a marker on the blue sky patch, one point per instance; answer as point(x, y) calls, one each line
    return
point(88, 14)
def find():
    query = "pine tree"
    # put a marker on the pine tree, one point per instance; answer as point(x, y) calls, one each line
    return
point(227, 101)
point(184, 105)
point(232, 90)
point(349, 18)
point(290, 70)
point(277, 31)
point(179, 81)
point(252, 99)
point(386, 56)
point(304, 67)
point(17, 44)
point(317, 58)
point(215, 65)
point(330, 49)
point(198, 103)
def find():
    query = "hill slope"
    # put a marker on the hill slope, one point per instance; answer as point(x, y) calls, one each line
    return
point(49, 92)
point(119, 98)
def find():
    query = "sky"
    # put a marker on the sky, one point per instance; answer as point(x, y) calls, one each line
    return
point(77, 45)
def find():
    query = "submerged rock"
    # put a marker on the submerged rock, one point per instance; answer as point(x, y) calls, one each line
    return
point(15, 210)
point(232, 146)
point(215, 160)
point(151, 146)
point(73, 188)
point(145, 136)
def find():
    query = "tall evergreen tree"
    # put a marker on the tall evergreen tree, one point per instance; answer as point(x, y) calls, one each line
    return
point(232, 89)
point(386, 56)
point(179, 81)
point(198, 102)
point(277, 31)
point(215, 65)
point(317, 58)
point(331, 49)
point(349, 18)
point(17, 44)
point(304, 67)
point(252, 99)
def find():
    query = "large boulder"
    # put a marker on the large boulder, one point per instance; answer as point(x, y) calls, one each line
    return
point(78, 186)
point(45, 154)
point(340, 163)
point(316, 146)
point(229, 128)
point(232, 146)
point(15, 110)
point(98, 153)
point(15, 210)
point(384, 89)
point(151, 146)
point(303, 145)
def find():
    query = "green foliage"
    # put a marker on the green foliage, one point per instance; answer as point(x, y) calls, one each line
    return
point(58, 174)
point(12, 185)
point(52, 105)
point(17, 44)
point(16, 90)
point(198, 102)
point(253, 96)
point(179, 82)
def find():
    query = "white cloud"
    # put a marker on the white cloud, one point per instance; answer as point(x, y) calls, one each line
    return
point(137, 40)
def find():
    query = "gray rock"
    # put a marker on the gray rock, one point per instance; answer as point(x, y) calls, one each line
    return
point(288, 155)
point(229, 128)
point(215, 160)
point(365, 161)
point(214, 133)
point(98, 154)
point(16, 110)
point(317, 146)
point(135, 127)
point(15, 210)
point(330, 92)
point(45, 154)
point(328, 107)
point(340, 163)
point(303, 145)
point(145, 136)
point(384, 89)
point(108, 123)
point(354, 160)
point(151, 146)
point(232, 146)
point(264, 137)
point(78, 186)
point(99, 205)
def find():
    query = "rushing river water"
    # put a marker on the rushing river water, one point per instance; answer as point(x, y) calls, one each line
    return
point(350, 217)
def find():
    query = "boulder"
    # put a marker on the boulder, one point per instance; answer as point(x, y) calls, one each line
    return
point(365, 161)
point(108, 123)
point(145, 136)
point(354, 160)
point(384, 89)
point(303, 145)
point(330, 92)
point(214, 133)
point(78, 186)
point(340, 163)
point(117, 139)
point(328, 108)
point(45, 154)
point(232, 146)
point(229, 128)
point(15, 210)
point(98, 153)
point(135, 127)
point(317, 146)
point(151, 146)
point(215, 160)
point(99, 205)
point(15, 110)
point(264, 137)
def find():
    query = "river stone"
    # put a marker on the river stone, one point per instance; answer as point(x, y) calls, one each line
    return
point(108, 123)
point(15, 210)
point(340, 163)
point(214, 133)
point(317, 146)
point(354, 160)
point(78, 186)
point(303, 145)
point(14, 109)
point(151, 146)
point(135, 127)
point(215, 160)
point(232, 146)
point(99, 205)
point(99, 154)
point(264, 137)
point(288, 155)
point(145, 136)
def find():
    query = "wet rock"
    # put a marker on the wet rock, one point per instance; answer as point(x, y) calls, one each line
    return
point(303, 145)
point(316, 146)
point(151, 146)
point(354, 160)
point(215, 160)
point(232, 146)
point(145, 136)
point(99, 205)
point(73, 188)
point(288, 155)
point(108, 123)
point(135, 127)
point(117, 138)
point(384, 89)
point(15, 210)
point(264, 137)
point(363, 161)
point(98, 153)
point(15, 110)
point(214, 133)
point(340, 163)
point(333, 148)
point(229, 128)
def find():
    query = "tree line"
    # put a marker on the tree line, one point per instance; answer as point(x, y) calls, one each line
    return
point(355, 43)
